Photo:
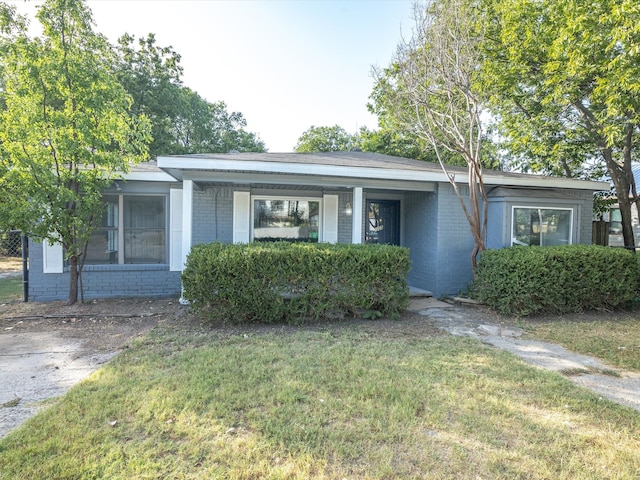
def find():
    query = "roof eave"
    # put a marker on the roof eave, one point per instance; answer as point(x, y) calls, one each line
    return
point(176, 165)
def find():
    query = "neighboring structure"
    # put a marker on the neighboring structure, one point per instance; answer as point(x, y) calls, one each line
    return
point(615, 217)
point(160, 210)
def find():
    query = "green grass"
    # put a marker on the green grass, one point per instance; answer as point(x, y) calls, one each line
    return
point(616, 340)
point(322, 403)
point(10, 289)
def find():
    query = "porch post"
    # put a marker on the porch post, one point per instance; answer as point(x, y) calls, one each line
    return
point(356, 217)
point(187, 218)
point(187, 222)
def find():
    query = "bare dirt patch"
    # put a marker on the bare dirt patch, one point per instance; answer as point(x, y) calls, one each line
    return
point(101, 325)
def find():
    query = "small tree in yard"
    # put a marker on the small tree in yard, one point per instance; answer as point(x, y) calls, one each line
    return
point(429, 90)
point(65, 129)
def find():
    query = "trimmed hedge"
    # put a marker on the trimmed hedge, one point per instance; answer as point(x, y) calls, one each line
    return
point(563, 279)
point(292, 282)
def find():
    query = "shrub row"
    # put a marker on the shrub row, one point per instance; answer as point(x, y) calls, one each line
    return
point(292, 282)
point(564, 279)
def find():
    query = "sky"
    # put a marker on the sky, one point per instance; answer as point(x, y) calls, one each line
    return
point(286, 65)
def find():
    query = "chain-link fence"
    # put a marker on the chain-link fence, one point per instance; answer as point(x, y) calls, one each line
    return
point(11, 244)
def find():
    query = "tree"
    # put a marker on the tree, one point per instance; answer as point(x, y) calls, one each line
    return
point(66, 132)
point(183, 122)
point(326, 139)
point(429, 90)
point(151, 75)
point(564, 79)
point(393, 142)
point(204, 127)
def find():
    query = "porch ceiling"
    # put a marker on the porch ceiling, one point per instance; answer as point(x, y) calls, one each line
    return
point(265, 180)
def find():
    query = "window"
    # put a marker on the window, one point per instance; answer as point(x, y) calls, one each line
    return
point(292, 220)
point(541, 226)
point(615, 227)
point(137, 223)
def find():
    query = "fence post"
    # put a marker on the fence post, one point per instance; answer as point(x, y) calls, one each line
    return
point(25, 268)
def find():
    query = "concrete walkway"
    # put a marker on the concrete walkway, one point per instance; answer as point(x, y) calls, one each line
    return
point(623, 388)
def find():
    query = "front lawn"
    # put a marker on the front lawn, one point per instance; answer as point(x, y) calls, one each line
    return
point(614, 338)
point(10, 289)
point(331, 402)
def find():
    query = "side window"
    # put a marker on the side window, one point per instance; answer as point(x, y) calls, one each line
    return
point(541, 226)
point(132, 229)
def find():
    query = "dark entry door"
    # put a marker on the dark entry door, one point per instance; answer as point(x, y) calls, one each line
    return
point(383, 222)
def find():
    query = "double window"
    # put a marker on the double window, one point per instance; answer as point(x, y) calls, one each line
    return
point(132, 229)
point(541, 226)
point(286, 219)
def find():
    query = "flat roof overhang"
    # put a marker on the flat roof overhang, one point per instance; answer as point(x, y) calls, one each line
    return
point(231, 171)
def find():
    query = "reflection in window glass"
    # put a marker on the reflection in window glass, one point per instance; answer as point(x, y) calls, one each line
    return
point(541, 226)
point(286, 220)
point(141, 224)
point(615, 227)
point(144, 229)
point(103, 244)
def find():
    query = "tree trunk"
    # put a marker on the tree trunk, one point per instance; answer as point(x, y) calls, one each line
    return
point(620, 175)
point(73, 280)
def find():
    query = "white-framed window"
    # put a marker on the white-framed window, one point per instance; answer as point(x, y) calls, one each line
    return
point(132, 230)
point(289, 219)
point(541, 226)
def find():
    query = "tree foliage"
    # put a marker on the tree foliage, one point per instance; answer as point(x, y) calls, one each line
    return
point(429, 91)
point(563, 77)
point(326, 139)
point(183, 122)
point(66, 130)
point(390, 141)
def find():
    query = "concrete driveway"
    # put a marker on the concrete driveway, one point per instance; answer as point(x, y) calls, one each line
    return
point(37, 366)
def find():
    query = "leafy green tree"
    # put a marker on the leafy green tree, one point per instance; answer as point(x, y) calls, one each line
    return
point(429, 91)
point(396, 143)
point(563, 77)
point(183, 122)
point(66, 131)
point(326, 139)
point(204, 127)
point(151, 75)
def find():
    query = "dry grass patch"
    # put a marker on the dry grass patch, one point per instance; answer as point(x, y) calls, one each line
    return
point(10, 264)
point(614, 338)
point(323, 402)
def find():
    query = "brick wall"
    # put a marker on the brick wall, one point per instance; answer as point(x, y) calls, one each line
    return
point(454, 243)
point(420, 236)
point(213, 215)
point(102, 281)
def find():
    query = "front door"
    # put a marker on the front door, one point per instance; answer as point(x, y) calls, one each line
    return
point(383, 222)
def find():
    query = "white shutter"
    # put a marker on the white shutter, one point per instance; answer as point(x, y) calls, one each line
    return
point(52, 257)
point(175, 230)
point(241, 217)
point(330, 218)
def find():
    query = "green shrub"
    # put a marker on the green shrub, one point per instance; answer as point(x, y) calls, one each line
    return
point(291, 282)
point(572, 278)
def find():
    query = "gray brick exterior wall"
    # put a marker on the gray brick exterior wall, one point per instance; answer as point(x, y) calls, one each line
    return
point(420, 222)
point(434, 228)
point(213, 215)
point(345, 221)
point(454, 243)
point(101, 281)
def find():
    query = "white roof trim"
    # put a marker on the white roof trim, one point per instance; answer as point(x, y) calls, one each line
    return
point(193, 165)
point(149, 176)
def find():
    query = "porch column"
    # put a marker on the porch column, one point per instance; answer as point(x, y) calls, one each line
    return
point(187, 218)
point(356, 217)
